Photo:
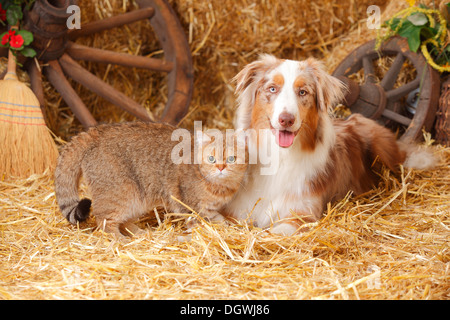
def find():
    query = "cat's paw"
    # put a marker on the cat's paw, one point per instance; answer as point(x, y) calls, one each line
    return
point(284, 229)
point(217, 218)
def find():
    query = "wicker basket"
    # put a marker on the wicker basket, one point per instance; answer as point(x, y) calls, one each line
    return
point(443, 116)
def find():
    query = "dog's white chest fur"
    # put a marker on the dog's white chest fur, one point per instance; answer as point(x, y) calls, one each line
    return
point(268, 198)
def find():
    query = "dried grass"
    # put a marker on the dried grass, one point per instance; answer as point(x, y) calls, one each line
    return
point(223, 37)
point(390, 243)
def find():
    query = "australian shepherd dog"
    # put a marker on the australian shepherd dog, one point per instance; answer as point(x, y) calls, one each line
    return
point(321, 158)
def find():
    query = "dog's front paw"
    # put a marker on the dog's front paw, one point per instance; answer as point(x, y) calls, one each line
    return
point(285, 229)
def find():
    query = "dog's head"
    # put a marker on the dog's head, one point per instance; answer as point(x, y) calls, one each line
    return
point(286, 97)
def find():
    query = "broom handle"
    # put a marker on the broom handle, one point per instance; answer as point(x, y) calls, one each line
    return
point(11, 63)
point(11, 58)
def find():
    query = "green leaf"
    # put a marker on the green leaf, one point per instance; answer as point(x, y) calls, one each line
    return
point(28, 52)
point(418, 19)
point(428, 32)
point(412, 34)
point(14, 14)
point(414, 39)
point(1, 37)
point(26, 35)
point(392, 25)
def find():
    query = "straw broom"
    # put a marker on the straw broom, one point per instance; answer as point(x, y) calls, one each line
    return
point(27, 146)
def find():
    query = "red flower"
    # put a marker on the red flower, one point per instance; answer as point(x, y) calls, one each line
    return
point(16, 41)
point(2, 14)
point(5, 39)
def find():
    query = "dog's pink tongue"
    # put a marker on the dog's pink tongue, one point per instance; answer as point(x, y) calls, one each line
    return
point(284, 138)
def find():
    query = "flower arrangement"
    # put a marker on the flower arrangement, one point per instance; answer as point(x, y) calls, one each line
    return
point(424, 28)
point(16, 39)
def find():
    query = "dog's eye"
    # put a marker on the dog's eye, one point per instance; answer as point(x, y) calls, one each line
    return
point(273, 89)
point(211, 159)
point(302, 92)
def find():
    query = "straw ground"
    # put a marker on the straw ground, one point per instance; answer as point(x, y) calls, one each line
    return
point(390, 243)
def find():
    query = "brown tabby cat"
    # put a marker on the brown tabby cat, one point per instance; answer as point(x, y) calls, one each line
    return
point(129, 171)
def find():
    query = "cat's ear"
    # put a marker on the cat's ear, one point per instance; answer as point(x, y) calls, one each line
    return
point(201, 138)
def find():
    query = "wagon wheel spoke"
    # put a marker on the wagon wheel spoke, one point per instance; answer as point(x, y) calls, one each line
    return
point(80, 52)
point(101, 88)
point(112, 22)
point(396, 117)
point(36, 82)
point(397, 93)
point(56, 76)
point(369, 72)
point(391, 75)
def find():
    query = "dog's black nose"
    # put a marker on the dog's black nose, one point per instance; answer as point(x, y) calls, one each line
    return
point(286, 119)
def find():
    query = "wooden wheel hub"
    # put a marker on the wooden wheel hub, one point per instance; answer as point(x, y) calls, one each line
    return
point(47, 22)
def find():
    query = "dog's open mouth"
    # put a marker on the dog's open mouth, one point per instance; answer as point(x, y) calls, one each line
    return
point(284, 138)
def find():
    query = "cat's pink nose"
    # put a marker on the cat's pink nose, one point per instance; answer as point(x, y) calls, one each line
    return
point(220, 167)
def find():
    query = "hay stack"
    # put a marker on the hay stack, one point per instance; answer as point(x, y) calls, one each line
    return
point(223, 36)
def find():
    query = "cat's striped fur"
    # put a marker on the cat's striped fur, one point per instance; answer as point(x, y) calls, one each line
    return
point(129, 171)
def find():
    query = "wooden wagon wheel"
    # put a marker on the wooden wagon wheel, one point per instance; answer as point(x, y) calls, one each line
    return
point(380, 100)
point(55, 46)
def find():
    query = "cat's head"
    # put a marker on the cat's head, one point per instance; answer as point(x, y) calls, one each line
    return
point(222, 157)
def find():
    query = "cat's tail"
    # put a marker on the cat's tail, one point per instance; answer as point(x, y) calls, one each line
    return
point(67, 177)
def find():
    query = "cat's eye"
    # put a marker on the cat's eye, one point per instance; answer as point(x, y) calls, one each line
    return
point(231, 159)
point(273, 89)
point(211, 159)
point(302, 92)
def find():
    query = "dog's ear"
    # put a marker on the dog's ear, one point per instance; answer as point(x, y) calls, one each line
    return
point(247, 84)
point(329, 90)
point(247, 75)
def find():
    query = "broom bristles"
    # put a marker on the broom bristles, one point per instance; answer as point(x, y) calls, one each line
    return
point(27, 145)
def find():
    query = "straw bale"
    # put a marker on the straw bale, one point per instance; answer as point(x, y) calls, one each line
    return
point(390, 243)
point(223, 37)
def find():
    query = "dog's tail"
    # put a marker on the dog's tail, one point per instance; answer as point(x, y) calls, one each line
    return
point(67, 176)
point(382, 144)
point(418, 157)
